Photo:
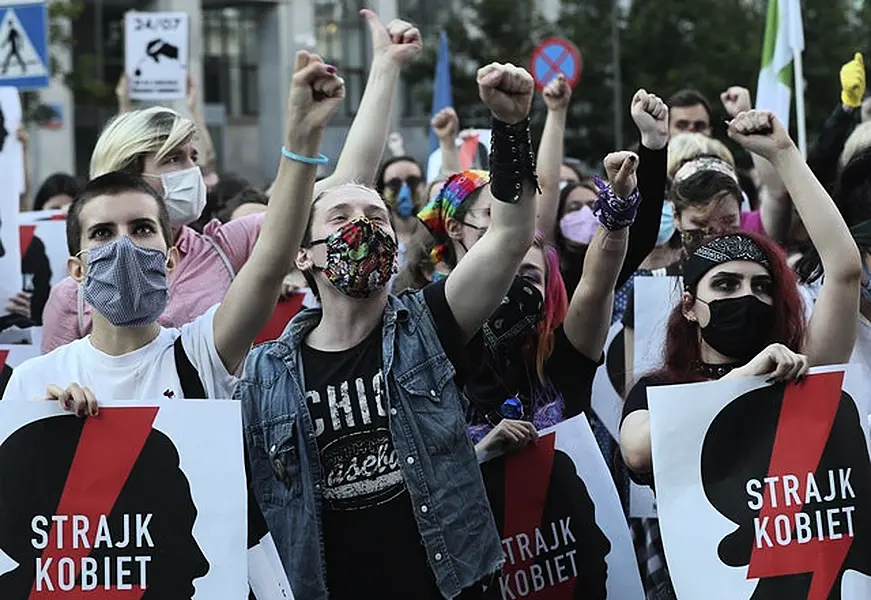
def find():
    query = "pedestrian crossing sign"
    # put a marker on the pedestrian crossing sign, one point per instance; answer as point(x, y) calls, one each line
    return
point(23, 44)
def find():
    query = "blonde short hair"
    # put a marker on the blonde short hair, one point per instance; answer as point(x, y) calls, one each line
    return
point(130, 137)
point(686, 146)
point(858, 140)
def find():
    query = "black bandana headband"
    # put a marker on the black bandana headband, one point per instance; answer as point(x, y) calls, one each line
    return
point(718, 251)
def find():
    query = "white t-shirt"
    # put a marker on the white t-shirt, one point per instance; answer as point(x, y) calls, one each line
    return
point(147, 373)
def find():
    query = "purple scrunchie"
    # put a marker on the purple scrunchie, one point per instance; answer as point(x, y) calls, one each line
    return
point(615, 212)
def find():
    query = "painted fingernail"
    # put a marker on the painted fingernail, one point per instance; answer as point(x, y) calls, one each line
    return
point(331, 69)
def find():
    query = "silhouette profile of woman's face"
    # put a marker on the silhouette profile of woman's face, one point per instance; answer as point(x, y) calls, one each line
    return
point(579, 570)
point(803, 505)
point(150, 523)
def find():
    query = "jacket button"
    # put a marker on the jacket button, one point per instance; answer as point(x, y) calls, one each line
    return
point(438, 556)
point(424, 508)
point(272, 450)
point(432, 393)
point(410, 460)
point(393, 411)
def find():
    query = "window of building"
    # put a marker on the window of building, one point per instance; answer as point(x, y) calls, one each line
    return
point(230, 57)
point(343, 40)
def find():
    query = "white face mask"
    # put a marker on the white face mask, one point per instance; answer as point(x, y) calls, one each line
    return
point(185, 195)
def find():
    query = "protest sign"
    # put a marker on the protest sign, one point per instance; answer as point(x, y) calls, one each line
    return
point(140, 497)
point(764, 491)
point(564, 535)
point(156, 54)
point(655, 297)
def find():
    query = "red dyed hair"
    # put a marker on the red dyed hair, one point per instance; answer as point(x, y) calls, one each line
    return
point(556, 304)
point(682, 351)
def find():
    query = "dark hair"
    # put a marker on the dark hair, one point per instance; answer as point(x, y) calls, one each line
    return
point(702, 188)
point(249, 195)
point(379, 177)
point(575, 165)
point(416, 272)
point(748, 186)
point(689, 97)
point(56, 184)
point(852, 196)
point(228, 187)
point(112, 184)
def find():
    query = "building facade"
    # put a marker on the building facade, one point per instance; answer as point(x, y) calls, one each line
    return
point(241, 58)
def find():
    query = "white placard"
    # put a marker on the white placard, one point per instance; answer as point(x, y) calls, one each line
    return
point(762, 489)
point(156, 54)
point(149, 469)
point(655, 297)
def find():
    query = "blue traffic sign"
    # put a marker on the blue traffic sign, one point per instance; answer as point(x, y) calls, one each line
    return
point(24, 59)
point(554, 57)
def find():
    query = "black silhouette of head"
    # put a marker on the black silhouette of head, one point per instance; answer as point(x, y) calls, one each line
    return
point(35, 461)
point(738, 447)
point(567, 498)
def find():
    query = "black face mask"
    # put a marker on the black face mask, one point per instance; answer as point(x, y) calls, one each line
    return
point(739, 328)
point(515, 319)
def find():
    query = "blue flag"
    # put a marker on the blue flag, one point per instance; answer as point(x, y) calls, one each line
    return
point(441, 93)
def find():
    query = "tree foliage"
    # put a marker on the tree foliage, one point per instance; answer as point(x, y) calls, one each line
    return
point(665, 45)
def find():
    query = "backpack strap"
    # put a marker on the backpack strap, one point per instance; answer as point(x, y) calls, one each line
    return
point(191, 384)
point(223, 256)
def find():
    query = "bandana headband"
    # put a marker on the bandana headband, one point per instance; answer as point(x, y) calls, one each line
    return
point(444, 206)
point(704, 163)
point(721, 250)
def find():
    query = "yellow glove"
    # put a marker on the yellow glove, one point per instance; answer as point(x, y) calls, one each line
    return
point(853, 81)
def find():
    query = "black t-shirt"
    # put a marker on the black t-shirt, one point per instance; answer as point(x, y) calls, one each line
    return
point(372, 544)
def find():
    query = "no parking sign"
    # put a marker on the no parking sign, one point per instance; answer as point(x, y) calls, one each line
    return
point(554, 57)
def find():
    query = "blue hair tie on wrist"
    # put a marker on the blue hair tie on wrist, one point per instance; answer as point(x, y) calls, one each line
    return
point(321, 159)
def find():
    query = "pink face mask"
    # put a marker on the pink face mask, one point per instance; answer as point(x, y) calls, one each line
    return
point(579, 226)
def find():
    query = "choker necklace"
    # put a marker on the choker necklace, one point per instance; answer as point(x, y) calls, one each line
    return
point(715, 371)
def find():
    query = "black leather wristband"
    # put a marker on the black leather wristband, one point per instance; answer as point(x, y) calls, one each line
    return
point(512, 160)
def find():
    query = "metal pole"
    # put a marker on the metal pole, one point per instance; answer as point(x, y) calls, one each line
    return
point(617, 81)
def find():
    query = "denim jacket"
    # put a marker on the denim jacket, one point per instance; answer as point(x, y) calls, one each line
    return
point(427, 424)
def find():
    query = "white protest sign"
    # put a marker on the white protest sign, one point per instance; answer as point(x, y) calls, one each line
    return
point(764, 491)
point(655, 297)
point(156, 55)
point(142, 496)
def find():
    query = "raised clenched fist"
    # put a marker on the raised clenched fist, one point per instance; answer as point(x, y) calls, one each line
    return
point(507, 91)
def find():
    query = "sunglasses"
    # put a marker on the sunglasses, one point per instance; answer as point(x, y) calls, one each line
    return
point(395, 184)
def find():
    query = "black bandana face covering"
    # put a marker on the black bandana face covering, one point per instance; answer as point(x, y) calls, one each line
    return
point(516, 318)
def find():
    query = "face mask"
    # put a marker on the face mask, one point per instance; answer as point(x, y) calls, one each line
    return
point(666, 224)
point(579, 226)
point(361, 258)
point(438, 276)
point(515, 319)
point(739, 328)
point(185, 195)
point(404, 202)
point(126, 283)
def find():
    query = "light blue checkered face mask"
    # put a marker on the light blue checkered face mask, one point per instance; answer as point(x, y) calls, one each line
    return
point(126, 283)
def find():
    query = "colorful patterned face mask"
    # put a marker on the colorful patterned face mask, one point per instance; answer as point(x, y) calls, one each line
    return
point(361, 258)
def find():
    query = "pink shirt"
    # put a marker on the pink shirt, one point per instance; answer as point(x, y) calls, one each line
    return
point(751, 221)
point(199, 281)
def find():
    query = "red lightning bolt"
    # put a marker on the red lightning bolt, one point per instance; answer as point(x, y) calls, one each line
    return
point(108, 448)
point(803, 429)
point(527, 480)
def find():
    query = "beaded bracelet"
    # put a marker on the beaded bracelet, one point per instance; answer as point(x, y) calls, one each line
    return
point(615, 212)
